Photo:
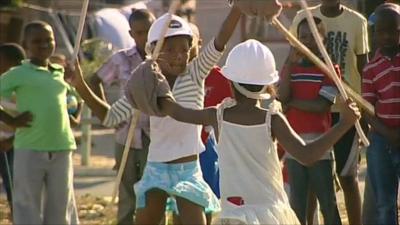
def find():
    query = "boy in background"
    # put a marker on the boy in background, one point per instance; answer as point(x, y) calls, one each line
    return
point(307, 95)
point(43, 191)
point(347, 45)
point(381, 88)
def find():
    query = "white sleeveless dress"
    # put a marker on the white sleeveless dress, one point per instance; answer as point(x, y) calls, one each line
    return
point(250, 174)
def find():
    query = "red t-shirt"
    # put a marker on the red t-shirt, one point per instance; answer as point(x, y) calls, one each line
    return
point(217, 88)
point(381, 87)
point(307, 83)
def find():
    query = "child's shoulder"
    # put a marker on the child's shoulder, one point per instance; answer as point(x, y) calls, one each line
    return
point(16, 70)
point(355, 16)
point(373, 63)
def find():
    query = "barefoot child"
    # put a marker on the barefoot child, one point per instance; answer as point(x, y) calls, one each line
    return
point(43, 173)
point(172, 168)
point(251, 179)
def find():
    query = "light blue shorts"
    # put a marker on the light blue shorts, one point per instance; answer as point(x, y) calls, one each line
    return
point(183, 180)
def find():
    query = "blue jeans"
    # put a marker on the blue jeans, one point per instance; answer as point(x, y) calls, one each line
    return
point(318, 178)
point(383, 164)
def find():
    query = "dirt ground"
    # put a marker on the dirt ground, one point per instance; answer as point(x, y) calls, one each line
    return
point(97, 211)
point(92, 211)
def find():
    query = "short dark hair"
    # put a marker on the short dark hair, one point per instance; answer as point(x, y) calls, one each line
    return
point(12, 52)
point(388, 9)
point(317, 21)
point(34, 25)
point(140, 14)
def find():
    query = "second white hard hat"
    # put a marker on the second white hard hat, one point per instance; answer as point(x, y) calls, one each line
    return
point(251, 62)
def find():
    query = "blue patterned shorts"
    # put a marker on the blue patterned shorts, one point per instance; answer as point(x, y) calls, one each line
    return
point(183, 180)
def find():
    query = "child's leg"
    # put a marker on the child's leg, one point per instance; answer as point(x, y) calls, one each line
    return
point(349, 182)
point(59, 204)
point(313, 208)
point(190, 213)
point(298, 180)
point(383, 164)
point(154, 210)
point(321, 181)
point(369, 211)
point(6, 173)
point(29, 173)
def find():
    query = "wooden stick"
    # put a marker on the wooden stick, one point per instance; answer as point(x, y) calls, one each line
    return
point(356, 97)
point(79, 32)
point(174, 5)
point(328, 61)
point(318, 62)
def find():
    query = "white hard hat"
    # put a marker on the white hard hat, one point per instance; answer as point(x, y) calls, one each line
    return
point(251, 62)
point(177, 26)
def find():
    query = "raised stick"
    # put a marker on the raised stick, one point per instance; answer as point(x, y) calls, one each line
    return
point(79, 32)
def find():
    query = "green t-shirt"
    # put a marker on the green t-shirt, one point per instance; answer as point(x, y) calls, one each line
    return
point(42, 92)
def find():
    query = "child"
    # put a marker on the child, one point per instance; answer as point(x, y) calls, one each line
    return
point(172, 167)
point(43, 151)
point(251, 179)
point(10, 55)
point(217, 88)
point(307, 94)
point(347, 45)
point(381, 88)
point(117, 70)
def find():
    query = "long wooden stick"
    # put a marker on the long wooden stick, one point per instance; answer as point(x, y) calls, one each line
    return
point(129, 140)
point(332, 74)
point(79, 32)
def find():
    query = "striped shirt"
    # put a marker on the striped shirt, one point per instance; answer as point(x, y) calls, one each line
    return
point(171, 139)
point(381, 87)
point(117, 70)
point(308, 83)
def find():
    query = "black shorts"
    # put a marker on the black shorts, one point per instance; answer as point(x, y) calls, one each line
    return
point(342, 148)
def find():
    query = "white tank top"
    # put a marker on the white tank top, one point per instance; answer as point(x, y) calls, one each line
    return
point(249, 164)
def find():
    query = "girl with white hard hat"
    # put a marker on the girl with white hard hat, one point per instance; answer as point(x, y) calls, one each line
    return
point(172, 167)
point(250, 173)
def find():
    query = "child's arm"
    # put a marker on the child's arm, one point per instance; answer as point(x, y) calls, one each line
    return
point(22, 120)
point(75, 119)
point(212, 52)
point(393, 135)
point(195, 116)
point(97, 86)
point(227, 29)
point(97, 105)
point(6, 144)
point(292, 143)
